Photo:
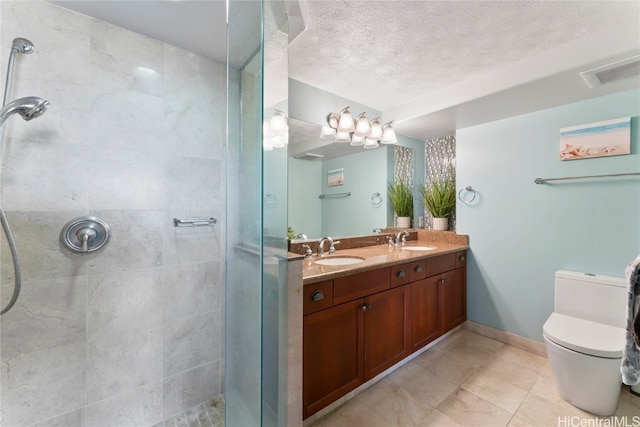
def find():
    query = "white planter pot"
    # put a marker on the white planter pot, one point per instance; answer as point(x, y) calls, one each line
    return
point(403, 222)
point(441, 224)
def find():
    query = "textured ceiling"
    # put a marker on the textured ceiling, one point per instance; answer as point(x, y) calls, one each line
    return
point(429, 65)
point(407, 49)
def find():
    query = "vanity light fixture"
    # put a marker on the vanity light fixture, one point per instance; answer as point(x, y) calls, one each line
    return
point(359, 132)
point(388, 134)
point(275, 131)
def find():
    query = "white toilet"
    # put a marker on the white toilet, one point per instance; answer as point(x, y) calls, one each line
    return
point(585, 336)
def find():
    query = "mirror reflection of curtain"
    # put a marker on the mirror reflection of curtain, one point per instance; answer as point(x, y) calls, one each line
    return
point(440, 159)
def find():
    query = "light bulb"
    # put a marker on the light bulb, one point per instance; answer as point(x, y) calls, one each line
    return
point(388, 134)
point(370, 143)
point(376, 129)
point(357, 141)
point(342, 137)
point(278, 123)
point(346, 121)
point(327, 133)
point(277, 141)
point(362, 126)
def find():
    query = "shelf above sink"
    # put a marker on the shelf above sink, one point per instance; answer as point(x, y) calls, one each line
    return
point(339, 260)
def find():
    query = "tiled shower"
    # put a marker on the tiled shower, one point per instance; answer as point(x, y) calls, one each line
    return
point(135, 135)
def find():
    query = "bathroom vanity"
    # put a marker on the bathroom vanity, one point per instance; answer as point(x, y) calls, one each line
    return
point(361, 319)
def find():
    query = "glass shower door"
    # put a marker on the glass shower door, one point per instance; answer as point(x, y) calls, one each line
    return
point(256, 269)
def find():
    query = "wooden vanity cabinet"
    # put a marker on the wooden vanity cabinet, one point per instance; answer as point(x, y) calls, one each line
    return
point(385, 339)
point(452, 295)
point(367, 322)
point(424, 321)
point(333, 349)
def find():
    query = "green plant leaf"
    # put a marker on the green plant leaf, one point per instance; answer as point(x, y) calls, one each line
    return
point(401, 198)
point(440, 196)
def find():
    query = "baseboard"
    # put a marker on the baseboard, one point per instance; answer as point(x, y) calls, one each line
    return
point(523, 343)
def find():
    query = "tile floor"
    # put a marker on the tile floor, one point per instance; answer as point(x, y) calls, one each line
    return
point(207, 414)
point(470, 380)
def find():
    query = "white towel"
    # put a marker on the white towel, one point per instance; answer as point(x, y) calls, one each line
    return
point(630, 367)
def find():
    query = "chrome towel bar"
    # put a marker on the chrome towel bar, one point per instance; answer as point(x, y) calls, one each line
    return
point(543, 180)
point(324, 196)
point(193, 222)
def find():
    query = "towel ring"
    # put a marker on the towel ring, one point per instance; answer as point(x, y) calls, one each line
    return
point(270, 199)
point(376, 199)
point(469, 189)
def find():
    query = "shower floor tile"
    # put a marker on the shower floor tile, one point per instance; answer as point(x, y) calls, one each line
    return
point(207, 414)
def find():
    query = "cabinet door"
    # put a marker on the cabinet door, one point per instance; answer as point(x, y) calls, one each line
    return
point(385, 330)
point(452, 298)
point(333, 362)
point(424, 324)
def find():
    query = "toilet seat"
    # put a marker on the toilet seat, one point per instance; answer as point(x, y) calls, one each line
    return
point(585, 336)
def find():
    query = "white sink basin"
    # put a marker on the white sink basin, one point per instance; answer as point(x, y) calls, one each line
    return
point(418, 248)
point(339, 260)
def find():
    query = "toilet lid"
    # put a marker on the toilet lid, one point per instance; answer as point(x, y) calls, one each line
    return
point(585, 336)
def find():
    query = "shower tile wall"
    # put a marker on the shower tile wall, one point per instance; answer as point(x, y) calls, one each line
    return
point(134, 135)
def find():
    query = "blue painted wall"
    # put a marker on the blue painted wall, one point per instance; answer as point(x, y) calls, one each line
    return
point(305, 214)
point(365, 173)
point(521, 233)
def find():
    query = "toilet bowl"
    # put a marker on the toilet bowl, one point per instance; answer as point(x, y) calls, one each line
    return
point(585, 337)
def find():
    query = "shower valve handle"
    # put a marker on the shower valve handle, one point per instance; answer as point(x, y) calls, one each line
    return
point(85, 235)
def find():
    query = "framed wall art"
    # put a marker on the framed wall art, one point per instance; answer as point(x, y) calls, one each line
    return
point(598, 139)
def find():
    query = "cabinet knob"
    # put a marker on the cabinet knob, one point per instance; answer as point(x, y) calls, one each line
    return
point(461, 257)
point(443, 281)
point(317, 296)
point(366, 307)
point(400, 273)
point(417, 269)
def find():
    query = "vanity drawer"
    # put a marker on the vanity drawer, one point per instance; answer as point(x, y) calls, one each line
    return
point(317, 296)
point(440, 264)
point(417, 270)
point(461, 259)
point(360, 285)
point(400, 274)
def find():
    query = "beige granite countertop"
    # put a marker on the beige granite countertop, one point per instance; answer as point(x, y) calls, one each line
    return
point(377, 256)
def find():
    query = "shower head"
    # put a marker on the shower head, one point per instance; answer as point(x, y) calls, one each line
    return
point(23, 45)
point(29, 108)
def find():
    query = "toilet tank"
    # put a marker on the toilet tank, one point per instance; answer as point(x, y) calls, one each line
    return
point(597, 298)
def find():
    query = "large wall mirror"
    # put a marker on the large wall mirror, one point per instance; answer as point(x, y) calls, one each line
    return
point(317, 206)
point(359, 204)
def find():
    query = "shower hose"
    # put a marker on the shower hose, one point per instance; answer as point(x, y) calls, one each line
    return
point(16, 263)
point(17, 280)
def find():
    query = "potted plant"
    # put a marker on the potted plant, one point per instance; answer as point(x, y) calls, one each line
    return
point(401, 197)
point(440, 199)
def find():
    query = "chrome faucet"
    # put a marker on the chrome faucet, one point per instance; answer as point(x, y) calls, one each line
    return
point(404, 234)
point(332, 248)
point(308, 253)
point(321, 244)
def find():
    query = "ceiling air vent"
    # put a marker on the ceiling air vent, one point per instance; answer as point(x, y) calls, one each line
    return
point(608, 73)
point(308, 156)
